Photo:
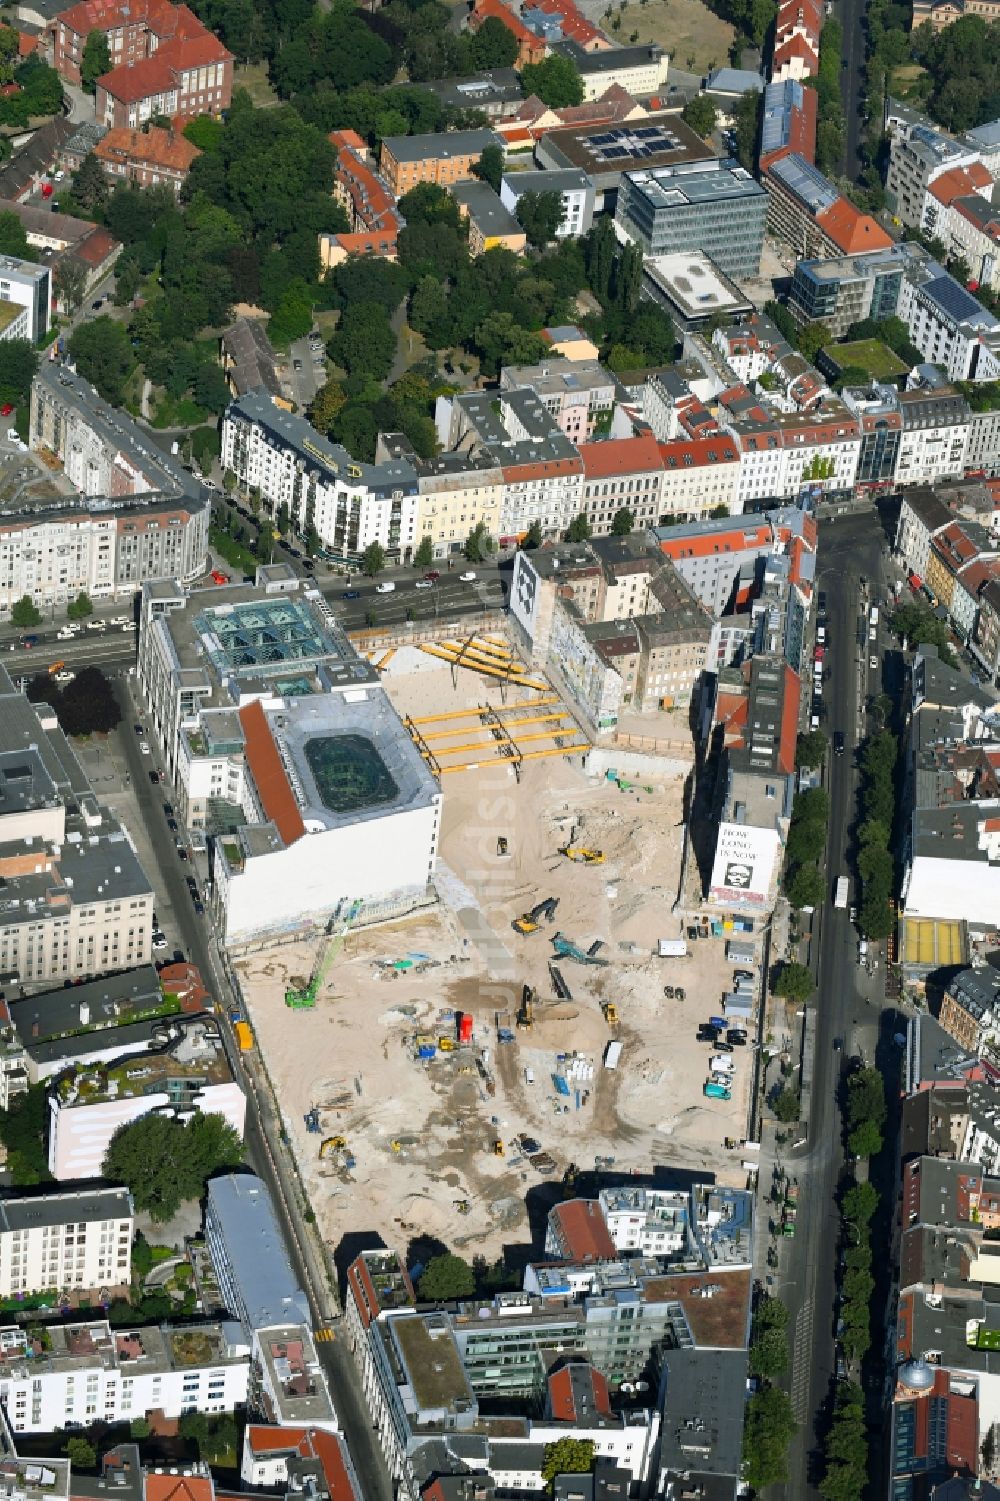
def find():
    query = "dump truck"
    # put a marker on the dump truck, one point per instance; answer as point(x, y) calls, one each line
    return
point(244, 1036)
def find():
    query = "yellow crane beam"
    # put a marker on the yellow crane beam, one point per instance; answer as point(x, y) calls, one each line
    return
point(555, 750)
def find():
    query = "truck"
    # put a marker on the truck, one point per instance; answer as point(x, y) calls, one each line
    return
point(714, 1091)
point(840, 893)
point(873, 615)
point(612, 1054)
point(244, 1036)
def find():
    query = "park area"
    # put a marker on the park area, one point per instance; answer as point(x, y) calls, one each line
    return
point(470, 1143)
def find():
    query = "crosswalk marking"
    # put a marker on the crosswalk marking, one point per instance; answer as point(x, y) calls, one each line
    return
point(324, 1335)
point(801, 1348)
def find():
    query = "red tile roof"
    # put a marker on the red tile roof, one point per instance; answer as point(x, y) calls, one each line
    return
point(154, 147)
point(96, 247)
point(562, 1396)
point(350, 138)
point(698, 453)
point(958, 181)
point(850, 230)
point(157, 74)
point(795, 47)
point(263, 1439)
point(620, 456)
point(158, 1487)
point(789, 722)
point(583, 1230)
point(276, 795)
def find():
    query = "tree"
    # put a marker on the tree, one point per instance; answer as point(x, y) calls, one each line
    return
point(478, 544)
point(164, 1161)
point(622, 522)
point(794, 982)
point(769, 1353)
point(533, 536)
point(747, 119)
point(209, 389)
point(373, 559)
point(22, 1131)
point(81, 1454)
point(579, 529)
point(138, 1429)
point(567, 1456)
point(540, 215)
point(768, 1429)
point(364, 342)
point(810, 749)
point(489, 167)
point(18, 363)
point(91, 188)
point(71, 283)
point(96, 60)
point(103, 355)
point(813, 337)
point(859, 1204)
point(555, 80)
point(445, 1278)
point(23, 612)
point(424, 555)
point(805, 886)
point(88, 705)
point(80, 607)
point(142, 1256)
point(865, 1140)
point(700, 114)
point(786, 1105)
point(494, 45)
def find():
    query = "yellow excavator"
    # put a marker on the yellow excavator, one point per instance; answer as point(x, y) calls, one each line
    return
point(610, 1013)
point(581, 855)
point(332, 1144)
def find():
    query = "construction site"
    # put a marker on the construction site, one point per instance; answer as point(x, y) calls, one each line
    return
point(452, 1073)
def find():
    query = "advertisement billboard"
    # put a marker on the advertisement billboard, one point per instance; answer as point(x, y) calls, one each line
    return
point(744, 865)
point(524, 595)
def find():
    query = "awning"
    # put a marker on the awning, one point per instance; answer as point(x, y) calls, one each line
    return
point(916, 582)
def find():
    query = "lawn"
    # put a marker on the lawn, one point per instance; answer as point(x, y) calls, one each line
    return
point(870, 355)
point(695, 39)
point(907, 81)
point(253, 77)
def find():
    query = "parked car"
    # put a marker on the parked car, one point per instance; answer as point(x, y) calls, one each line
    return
point(423, 584)
point(154, 777)
point(139, 729)
point(386, 588)
point(351, 594)
point(144, 748)
point(172, 825)
point(168, 809)
point(467, 578)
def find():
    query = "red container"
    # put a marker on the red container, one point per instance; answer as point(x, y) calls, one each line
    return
point(465, 1027)
point(47, 190)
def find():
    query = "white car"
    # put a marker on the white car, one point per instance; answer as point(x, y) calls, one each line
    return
point(96, 625)
point(65, 634)
point(386, 588)
point(159, 942)
point(118, 620)
point(65, 677)
point(129, 625)
point(873, 663)
point(466, 578)
point(423, 584)
point(144, 748)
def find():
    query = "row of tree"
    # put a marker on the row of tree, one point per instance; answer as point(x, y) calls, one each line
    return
point(769, 1425)
point(830, 136)
point(803, 880)
point(874, 834)
point(864, 1112)
point(916, 625)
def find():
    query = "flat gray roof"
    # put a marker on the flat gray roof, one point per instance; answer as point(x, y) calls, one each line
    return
point(109, 1002)
point(441, 145)
point(60, 1208)
point(241, 1207)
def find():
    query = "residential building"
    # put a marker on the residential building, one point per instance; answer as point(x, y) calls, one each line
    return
point(248, 1254)
point(811, 216)
point(934, 433)
point(574, 187)
point(249, 362)
point(699, 476)
point(715, 554)
point(621, 474)
point(278, 769)
point(65, 240)
point(77, 1240)
point(946, 189)
point(377, 1281)
point(444, 159)
point(562, 20)
point(187, 1072)
point(347, 503)
point(714, 207)
point(788, 126)
point(90, 1370)
point(948, 325)
point(491, 224)
point(607, 152)
point(25, 299)
point(76, 898)
point(31, 163)
point(367, 200)
point(941, 13)
point(533, 120)
point(922, 515)
point(146, 158)
point(971, 230)
point(796, 40)
point(848, 289)
point(578, 394)
point(919, 153)
point(640, 70)
point(307, 1461)
point(181, 80)
point(456, 494)
point(970, 1008)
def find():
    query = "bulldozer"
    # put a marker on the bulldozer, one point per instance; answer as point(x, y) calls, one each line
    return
point(530, 922)
point(610, 1013)
point(581, 855)
point(526, 1013)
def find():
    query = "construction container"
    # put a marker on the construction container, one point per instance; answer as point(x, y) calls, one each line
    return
point(465, 1026)
point(560, 1083)
point(244, 1036)
point(740, 953)
point(426, 1050)
point(612, 1054)
point(671, 948)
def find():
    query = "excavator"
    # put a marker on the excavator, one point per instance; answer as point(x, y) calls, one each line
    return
point(530, 922)
point(336, 932)
point(581, 855)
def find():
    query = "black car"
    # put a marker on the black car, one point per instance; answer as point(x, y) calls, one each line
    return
point(838, 742)
point(138, 729)
point(168, 809)
point(723, 1046)
point(199, 906)
point(154, 777)
point(192, 883)
point(172, 825)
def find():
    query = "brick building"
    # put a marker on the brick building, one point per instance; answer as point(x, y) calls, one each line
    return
point(146, 158)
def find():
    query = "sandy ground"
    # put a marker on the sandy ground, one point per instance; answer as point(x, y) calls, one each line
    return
point(694, 38)
point(354, 1056)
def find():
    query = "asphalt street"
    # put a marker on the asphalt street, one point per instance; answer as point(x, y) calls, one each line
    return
point(849, 549)
point(851, 15)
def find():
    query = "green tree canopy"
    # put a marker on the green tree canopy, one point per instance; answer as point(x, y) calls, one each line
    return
point(555, 80)
point(24, 612)
point(794, 982)
point(96, 60)
point(810, 749)
point(540, 215)
point(567, 1456)
point(622, 522)
point(700, 114)
point(373, 559)
point(103, 355)
point(424, 555)
point(490, 166)
point(768, 1430)
point(22, 1131)
point(18, 363)
point(80, 607)
point(81, 1454)
point(446, 1277)
point(579, 529)
point(164, 1161)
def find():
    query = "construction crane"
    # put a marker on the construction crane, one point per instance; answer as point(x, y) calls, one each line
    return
point(304, 1000)
point(581, 855)
point(530, 922)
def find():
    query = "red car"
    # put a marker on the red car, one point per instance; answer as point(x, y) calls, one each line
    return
point(432, 577)
point(6, 409)
point(219, 578)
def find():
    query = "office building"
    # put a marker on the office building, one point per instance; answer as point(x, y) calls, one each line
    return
point(496, 94)
point(841, 290)
point(606, 151)
point(77, 1240)
point(248, 1254)
point(788, 126)
point(692, 289)
point(948, 325)
point(491, 223)
point(75, 898)
point(443, 158)
point(919, 154)
point(575, 190)
point(25, 299)
point(640, 70)
point(714, 207)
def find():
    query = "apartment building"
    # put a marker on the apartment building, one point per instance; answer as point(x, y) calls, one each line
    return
point(491, 224)
point(248, 1254)
point(847, 289)
point(368, 202)
point(578, 394)
point(146, 158)
point(970, 229)
point(809, 214)
point(935, 427)
point(948, 325)
point(715, 207)
point(970, 1008)
point(623, 474)
point(347, 503)
point(919, 154)
point(90, 1372)
point(575, 189)
point(132, 31)
point(77, 1239)
point(25, 299)
point(444, 158)
point(788, 124)
point(796, 40)
point(75, 898)
point(306, 1460)
point(700, 475)
point(457, 492)
point(187, 1072)
point(640, 70)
